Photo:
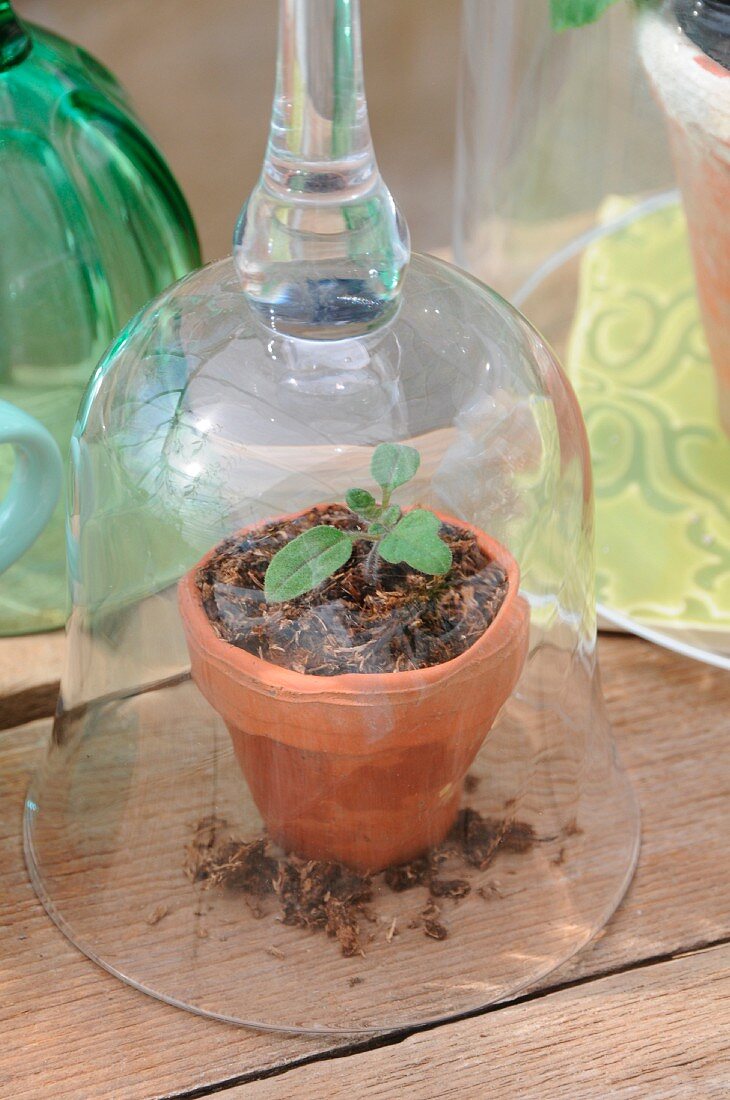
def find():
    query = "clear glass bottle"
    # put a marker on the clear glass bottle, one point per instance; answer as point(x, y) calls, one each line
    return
point(92, 224)
point(331, 754)
point(551, 123)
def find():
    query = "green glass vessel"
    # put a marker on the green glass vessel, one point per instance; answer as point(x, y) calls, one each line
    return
point(92, 225)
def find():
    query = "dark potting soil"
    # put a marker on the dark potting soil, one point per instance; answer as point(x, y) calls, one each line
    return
point(329, 897)
point(398, 620)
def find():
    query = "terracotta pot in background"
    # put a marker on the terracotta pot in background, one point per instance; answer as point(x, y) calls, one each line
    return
point(694, 93)
point(364, 768)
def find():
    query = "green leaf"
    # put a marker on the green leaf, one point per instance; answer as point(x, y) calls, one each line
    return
point(362, 502)
point(394, 464)
point(576, 13)
point(305, 562)
point(415, 540)
point(390, 515)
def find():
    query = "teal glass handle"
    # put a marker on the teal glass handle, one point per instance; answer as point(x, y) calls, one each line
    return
point(35, 484)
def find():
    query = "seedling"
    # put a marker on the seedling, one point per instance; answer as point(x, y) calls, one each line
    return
point(411, 537)
point(565, 14)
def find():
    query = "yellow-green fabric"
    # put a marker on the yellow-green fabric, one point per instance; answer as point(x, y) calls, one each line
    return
point(661, 463)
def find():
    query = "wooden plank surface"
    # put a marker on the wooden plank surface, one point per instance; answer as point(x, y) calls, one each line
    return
point(662, 1031)
point(671, 720)
point(70, 1030)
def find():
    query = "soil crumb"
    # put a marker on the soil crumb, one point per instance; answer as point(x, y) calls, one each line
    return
point(394, 620)
point(478, 839)
point(329, 898)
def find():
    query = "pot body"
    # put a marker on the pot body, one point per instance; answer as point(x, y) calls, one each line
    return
point(365, 769)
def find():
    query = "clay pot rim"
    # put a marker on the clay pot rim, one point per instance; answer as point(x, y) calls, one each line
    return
point(277, 680)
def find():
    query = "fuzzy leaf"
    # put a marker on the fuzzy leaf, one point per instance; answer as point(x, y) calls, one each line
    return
point(394, 464)
point(576, 13)
point(390, 515)
point(362, 502)
point(415, 540)
point(305, 562)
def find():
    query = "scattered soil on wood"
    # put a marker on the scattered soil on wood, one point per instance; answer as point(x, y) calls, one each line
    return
point(329, 897)
point(395, 621)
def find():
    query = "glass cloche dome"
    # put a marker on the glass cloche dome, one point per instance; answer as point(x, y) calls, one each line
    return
point(331, 753)
point(593, 184)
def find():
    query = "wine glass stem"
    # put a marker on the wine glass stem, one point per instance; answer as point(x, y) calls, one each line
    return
point(319, 121)
point(320, 246)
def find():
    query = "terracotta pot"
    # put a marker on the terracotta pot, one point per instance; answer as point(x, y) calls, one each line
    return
point(363, 768)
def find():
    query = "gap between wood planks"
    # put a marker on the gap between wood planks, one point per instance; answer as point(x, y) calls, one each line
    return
point(28, 705)
point(394, 1038)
